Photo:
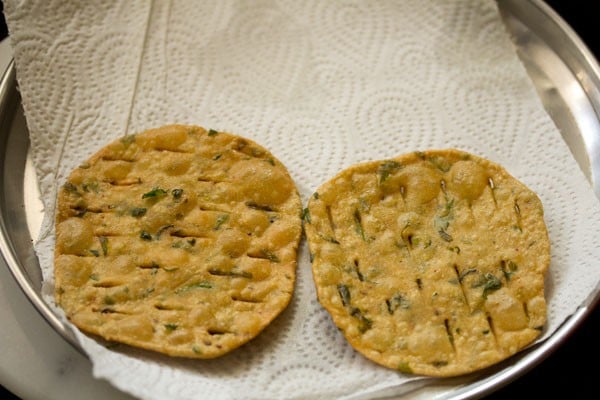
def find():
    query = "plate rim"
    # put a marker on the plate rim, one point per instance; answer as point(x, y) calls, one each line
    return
point(480, 387)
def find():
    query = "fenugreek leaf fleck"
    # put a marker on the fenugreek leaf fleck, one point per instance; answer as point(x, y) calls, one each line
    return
point(344, 293)
point(177, 193)
point(221, 219)
point(138, 212)
point(306, 215)
point(103, 244)
point(154, 193)
point(386, 169)
point(145, 235)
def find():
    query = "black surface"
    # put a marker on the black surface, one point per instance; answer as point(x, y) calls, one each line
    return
point(572, 367)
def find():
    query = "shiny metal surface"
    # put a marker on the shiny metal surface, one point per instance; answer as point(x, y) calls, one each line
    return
point(565, 74)
point(17, 210)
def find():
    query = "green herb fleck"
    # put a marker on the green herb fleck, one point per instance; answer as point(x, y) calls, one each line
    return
point(508, 268)
point(171, 327)
point(359, 274)
point(240, 274)
point(177, 193)
point(316, 195)
point(184, 244)
point(178, 244)
point(344, 293)
point(517, 228)
point(490, 284)
point(306, 215)
point(386, 169)
point(138, 212)
point(154, 193)
point(90, 187)
point(128, 139)
point(196, 349)
point(364, 323)
point(439, 364)
point(404, 367)
point(212, 132)
point(109, 301)
point(197, 285)
point(260, 207)
point(454, 249)
point(466, 272)
point(328, 239)
point(364, 204)
point(270, 255)
point(311, 257)
point(444, 235)
point(239, 144)
point(104, 244)
point(397, 301)
point(445, 215)
point(145, 235)
point(96, 253)
point(69, 187)
point(221, 219)
point(94, 277)
point(358, 227)
point(217, 156)
point(270, 161)
point(440, 163)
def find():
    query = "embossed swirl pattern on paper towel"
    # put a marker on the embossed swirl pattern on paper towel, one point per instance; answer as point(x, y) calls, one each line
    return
point(322, 84)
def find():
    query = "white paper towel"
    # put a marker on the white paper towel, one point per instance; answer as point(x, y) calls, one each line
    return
point(323, 84)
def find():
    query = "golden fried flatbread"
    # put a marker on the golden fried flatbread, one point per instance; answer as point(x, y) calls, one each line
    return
point(430, 263)
point(178, 240)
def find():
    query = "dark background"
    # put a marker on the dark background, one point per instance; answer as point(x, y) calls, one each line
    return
point(573, 367)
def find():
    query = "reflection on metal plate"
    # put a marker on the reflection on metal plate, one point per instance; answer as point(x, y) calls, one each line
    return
point(565, 74)
point(34, 208)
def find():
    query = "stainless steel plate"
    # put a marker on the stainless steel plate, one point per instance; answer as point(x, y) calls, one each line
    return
point(563, 71)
